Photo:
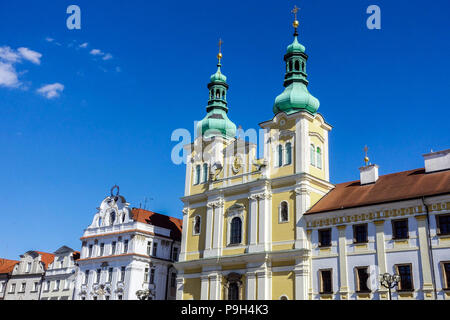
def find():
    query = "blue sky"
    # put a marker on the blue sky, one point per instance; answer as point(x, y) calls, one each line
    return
point(111, 122)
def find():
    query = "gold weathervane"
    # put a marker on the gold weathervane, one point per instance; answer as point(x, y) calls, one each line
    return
point(219, 55)
point(295, 23)
point(366, 158)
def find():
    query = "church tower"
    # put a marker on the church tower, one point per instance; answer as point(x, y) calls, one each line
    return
point(243, 229)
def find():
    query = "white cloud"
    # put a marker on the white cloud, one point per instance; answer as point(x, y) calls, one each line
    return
point(8, 76)
point(107, 56)
point(51, 91)
point(8, 55)
point(30, 55)
point(96, 52)
point(84, 45)
point(48, 39)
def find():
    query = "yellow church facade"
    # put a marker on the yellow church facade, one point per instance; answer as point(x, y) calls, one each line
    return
point(243, 232)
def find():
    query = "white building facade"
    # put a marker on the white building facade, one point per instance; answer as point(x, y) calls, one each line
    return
point(59, 279)
point(397, 224)
point(127, 254)
point(26, 277)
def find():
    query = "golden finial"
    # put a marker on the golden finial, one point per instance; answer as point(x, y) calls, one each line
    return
point(295, 23)
point(366, 158)
point(219, 55)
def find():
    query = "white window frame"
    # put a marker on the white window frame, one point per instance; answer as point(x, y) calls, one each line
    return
point(279, 212)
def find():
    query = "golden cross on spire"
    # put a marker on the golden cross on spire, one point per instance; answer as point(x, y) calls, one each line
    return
point(366, 158)
point(219, 55)
point(295, 23)
point(294, 11)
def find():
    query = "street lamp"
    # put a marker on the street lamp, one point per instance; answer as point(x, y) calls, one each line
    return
point(389, 281)
point(144, 294)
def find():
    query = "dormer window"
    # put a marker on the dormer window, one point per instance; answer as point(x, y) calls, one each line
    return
point(113, 217)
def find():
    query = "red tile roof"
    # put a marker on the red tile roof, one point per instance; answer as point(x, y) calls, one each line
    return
point(46, 258)
point(391, 187)
point(6, 265)
point(160, 220)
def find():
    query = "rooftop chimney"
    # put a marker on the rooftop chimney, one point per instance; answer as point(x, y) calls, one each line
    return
point(437, 161)
point(369, 174)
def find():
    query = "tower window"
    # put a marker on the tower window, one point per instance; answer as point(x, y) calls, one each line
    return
point(280, 155)
point(303, 66)
point(113, 217)
point(297, 65)
point(236, 231)
point(290, 65)
point(197, 174)
point(197, 225)
point(205, 172)
point(288, 153)
point(319, 158)
point(312, 155)
point(284, 212)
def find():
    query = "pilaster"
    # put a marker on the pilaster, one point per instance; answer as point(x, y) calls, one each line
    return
point(343, 289)
point(381, 256)
point(427, 286)
point(302, 203)
point(184, 233)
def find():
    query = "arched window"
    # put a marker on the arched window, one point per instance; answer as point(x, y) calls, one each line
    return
point(319, 158)
point(297, 65)
point(217, 94)
point(197, 225)
point(288, 153)
point(233, 291)
point(303, 66)
point(197, 174)
point(123, 217)
point(236, 228)
point(113, 217)
point(284, 297)
point(290, 65)
point(312, 155)
point(223, 94)
point(205, 172)
point(280, 155)
point(100, 220)
point(284, 212)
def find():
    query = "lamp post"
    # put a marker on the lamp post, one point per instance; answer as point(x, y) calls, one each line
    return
point(389, 281)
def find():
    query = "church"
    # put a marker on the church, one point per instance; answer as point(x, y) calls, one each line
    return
point(275, 227)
